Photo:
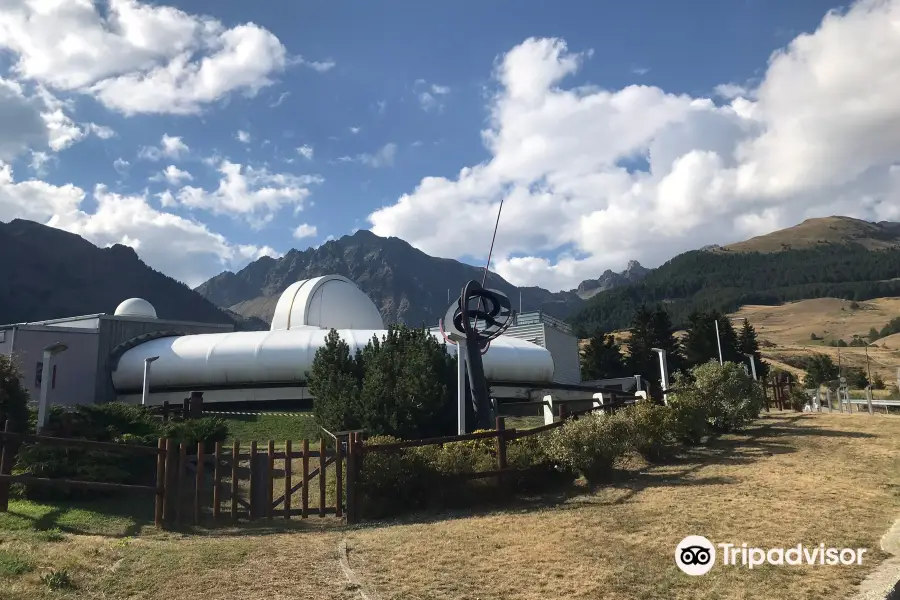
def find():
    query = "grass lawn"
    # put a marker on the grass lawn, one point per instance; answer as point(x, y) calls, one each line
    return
point(263, 427)
point(790, 478)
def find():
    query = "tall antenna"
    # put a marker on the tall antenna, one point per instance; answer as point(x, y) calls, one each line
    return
point(520, 300)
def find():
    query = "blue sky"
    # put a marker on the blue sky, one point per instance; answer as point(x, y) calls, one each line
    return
point(388, 93)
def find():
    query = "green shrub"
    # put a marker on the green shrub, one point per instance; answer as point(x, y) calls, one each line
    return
point(590, 445)
point(392, 482)
point(689, 417)
point(13, 563)
point(13, 396)
point(208, 430)
point(727, 394)
point(58, 580)
point(798, 399)
point(651, 429)
point(534, 468)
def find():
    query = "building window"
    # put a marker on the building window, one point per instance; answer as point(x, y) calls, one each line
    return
point(2, 336)
point(38, 374)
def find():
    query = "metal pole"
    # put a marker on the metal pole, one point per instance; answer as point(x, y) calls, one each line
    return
point(868, 369)
point(719, 343)
point(752, 365)
point(461, 383)
point(145, 396)
point(664, 373)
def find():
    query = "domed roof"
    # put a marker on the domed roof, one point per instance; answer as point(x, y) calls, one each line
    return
point(325, 302)
point(136, 307)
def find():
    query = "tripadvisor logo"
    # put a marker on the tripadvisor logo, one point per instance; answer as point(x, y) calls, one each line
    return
point(696, 555)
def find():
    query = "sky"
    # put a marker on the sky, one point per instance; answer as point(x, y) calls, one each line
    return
point(206, 134)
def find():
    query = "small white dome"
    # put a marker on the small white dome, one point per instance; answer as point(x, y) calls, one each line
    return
point(325, 302)
point(136, 307)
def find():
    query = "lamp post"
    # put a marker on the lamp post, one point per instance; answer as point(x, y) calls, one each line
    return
point(46, 376)
point(145, 396)
point(663, 373)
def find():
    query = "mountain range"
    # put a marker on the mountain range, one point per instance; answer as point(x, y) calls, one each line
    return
point(407, 285)
point(49, 273)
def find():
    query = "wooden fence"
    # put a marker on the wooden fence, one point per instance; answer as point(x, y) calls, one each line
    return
point(193, 487)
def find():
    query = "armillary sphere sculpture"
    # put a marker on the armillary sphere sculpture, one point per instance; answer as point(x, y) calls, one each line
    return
point(479, 316)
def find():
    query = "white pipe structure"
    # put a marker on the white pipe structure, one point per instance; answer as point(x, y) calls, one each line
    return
point(46, 376)
point(146, 392)
point(244, 358)
point(752, 365)
point(664, 373)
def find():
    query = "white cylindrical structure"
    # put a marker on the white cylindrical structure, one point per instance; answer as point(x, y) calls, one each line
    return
point(213, 360)
point(330, 301)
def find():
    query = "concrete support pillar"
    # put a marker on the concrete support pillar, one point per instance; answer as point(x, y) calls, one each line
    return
point(548, 410)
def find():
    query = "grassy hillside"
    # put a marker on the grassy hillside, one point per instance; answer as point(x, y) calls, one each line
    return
point(828, 230)
point(728, 280)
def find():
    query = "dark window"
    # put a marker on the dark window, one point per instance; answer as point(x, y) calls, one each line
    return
point(38, 374)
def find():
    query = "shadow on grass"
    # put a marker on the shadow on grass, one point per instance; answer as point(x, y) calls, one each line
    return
point(109, 517)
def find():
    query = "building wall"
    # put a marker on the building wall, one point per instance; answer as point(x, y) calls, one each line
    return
point(115, 330)
point(75, 368)
point(564, 349)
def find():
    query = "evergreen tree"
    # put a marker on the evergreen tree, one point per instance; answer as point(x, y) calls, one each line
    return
point(334, 381)
point(602, 358)
point(820, 369)
point(701, 344)
point(749, 344)
point(652, 329)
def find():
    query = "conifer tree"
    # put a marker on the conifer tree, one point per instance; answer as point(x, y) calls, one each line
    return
point(749, 344)
point(602, 358)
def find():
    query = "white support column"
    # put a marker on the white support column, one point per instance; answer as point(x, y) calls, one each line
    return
point(641, 394)
point(145, 396)
point(46, 381)
point(461, 385)
point(548, 409)
point(663, 373)
point(598, 400)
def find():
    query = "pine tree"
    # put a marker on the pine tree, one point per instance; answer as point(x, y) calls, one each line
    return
point(700, 341)
point(652, 329)
point(749, 344)
point(602, 358)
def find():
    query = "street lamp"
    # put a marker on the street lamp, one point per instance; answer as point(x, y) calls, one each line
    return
point(46, 377)
point(146, 394)
point(664, 373)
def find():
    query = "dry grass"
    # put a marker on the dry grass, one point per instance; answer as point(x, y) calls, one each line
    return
point(791, 478)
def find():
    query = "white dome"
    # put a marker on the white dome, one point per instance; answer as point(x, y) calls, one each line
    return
point(325, 302)
point(136, 307)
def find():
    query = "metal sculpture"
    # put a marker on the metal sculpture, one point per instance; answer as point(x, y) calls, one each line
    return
point(476, 318)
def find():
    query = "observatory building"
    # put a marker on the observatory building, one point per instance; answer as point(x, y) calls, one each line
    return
point(105, 355)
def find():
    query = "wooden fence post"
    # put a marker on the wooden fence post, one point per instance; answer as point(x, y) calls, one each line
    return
point(235, 462)
point(254, 476)
point(322, 477)
point(160, 497)
point(563, 412)
point(198, 485)
point(501, 448)
point(217, 480)
point(287, 479)
point(359, 499)
point(338, 477)
point(351, 479)
point(170, 491)
point(304, 495)
point(7, 458)
point(182, 467)
point(270, 479)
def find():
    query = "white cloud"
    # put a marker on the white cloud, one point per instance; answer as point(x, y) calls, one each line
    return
point(255, 194)
point(355, 130)
point(39, 162)
point(305, 230)
point(174, 176)
point(384, 157)
point(306, 151)
point(121, 166)
point(170, 146)
point(136, 57)
point(429, 95)
point(180, 247)
point(281, 98)
point(320, 66)
point(819, 135)
point(242, 136)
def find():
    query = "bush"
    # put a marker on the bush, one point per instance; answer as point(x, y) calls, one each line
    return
point(114, 422)
point(728, 394)
point(651, 429)
point(590, 445)
point(208, 430)
point(392, 482)
point(689, 416)
point(13, 396)
point(798, 399)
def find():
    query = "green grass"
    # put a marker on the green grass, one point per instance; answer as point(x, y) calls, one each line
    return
point(47, 522)
point(265, 427)
point(12, 564)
